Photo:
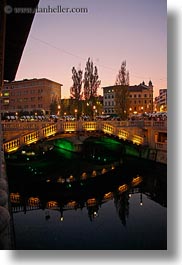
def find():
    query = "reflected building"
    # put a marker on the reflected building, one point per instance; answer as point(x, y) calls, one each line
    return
point(121, 202)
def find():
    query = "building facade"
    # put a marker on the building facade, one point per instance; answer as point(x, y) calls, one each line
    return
point(140, 99)
point(161, 100)
point(30, 95)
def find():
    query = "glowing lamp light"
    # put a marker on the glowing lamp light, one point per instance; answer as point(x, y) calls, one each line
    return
point(15, 197)
point(72, 204)
point(91, 201)
point(108, 195)
point(84, 175)
point(52, 204)
point(94, 173)
point(136, 180)
point(95, 214)
point(123, 188)
point(103, 171)
point(33, 201)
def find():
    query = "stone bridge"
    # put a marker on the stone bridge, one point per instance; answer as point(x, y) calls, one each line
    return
point(17, 134)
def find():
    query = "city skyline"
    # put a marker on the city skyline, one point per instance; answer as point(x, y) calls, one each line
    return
point(108, 33)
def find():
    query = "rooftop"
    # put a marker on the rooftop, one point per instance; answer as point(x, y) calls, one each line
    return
point(135, 88)
point(31, 80)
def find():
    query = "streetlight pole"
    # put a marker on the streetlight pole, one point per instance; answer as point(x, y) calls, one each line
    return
point(94, 108)
point(59, 109)
point(76, 111)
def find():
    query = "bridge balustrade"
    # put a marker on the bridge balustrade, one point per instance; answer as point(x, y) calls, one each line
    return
point(148, 123)
point(137, 139)
point(110, 127)
point(136, 123)
point(122, 134)
point(31, 137)
point(12, 145)
point(69, 126)
point(49, 130)
point(160, 124)
point(90, 126)
point(161, 146)
point(123, 123)
point(17, 125)
point(107, 128)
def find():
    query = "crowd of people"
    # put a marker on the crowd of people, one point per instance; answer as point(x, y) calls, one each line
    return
point(155, 116)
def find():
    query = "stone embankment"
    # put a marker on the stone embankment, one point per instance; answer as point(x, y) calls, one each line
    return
point(6, 241)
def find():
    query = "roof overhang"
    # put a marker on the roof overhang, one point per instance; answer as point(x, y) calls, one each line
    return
point(18, 26)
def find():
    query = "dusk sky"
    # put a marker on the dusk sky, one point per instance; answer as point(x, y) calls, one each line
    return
point(111, 31)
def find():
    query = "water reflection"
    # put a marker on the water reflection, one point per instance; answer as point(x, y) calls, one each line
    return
point(92, 197)
point(89, 199)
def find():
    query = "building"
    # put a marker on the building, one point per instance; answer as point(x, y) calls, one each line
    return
point(30, 95)
point(161, 100)
point(140, 99)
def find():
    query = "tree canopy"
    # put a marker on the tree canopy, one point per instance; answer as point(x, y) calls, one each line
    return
point(122, 92)
point(75, 90)
point(91, 80)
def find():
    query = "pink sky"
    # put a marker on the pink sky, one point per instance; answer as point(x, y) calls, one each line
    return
point(111, 31)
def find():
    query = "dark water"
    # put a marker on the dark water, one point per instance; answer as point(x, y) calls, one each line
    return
point(124, 208)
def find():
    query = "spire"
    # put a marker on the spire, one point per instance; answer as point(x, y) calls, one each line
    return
point(150, 83)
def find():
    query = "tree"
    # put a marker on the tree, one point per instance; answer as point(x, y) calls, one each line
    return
point(75, 90)
point(91, 80)
point(122, 92)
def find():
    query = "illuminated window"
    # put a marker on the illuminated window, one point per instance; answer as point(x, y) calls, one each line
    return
point(6, 94)
point(6, 101)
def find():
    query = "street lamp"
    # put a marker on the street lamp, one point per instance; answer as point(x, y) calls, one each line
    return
point(59, 107)
point(76, 111)
point(94, 111)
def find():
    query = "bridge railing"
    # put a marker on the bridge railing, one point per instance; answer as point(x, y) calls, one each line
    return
point(161, 146)
point(76, 125)
point(12, 145)
point(160, 124)
point(30, 138)
point(116, 128)
point(17, 125)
